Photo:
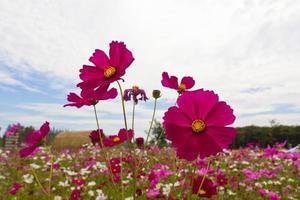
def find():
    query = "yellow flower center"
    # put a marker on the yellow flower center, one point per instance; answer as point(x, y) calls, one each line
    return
point(201, 191)
point(198, 125)
point(109, 71)
point(135, 88)
point(181, 87)
point(116, 139)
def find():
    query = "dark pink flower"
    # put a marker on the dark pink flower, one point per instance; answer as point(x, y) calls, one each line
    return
point(79, 182)
point(204, 188)
point(12, 130)
point(134, 93)
point(75, 195)
point(273, 196)
point(106, 70)
point(15, 187)
point(139, 141)
point(186, 83)
point(198, 125)
point(122, 136)
point(34, 139)
point(91, 97)
point(221, 179)
point(94, 136)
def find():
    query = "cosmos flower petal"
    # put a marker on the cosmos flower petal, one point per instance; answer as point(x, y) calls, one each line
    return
point(175, 116)
point(178, 135)
point(224, 136)
point(169, 82)
point(190, 149)
point(44, 129)
point(88, 73)
point(220, 115)
point(99, 59)
point(188, 81)
point(26, 151)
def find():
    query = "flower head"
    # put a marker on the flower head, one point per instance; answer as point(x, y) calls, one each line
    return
point(139, 141)
point(15, 187)
point(106, 70)
point(91, 97)
point(134, 93)
point(34, 139)
point(198, 125)
point(204, 187)
point(122, 136)
point(75, 195)
point(12, 130)
point(186, 83)
point(94, 136)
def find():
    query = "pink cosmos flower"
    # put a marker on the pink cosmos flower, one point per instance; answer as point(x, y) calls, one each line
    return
point(122, 136)
point(139, 141)
point(198, 125)
point(207, 189)
point(15, 187)
point(34, 139)
point(91, 97)
point(12, 130)
point(134, 93)
point(94, 136)
point(75, 195)
point(186, 83)
point(106, 70)
point(79, 182)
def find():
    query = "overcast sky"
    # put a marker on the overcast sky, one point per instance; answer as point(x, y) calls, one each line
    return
point(246, 51)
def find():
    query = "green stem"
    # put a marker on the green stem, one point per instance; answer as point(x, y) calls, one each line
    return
point(123, 106)
point(154, 110)
point(97, 121)
point(202, 181)
point(51, 173)
point(133, 112)
point(38, 181)
point(102, 146)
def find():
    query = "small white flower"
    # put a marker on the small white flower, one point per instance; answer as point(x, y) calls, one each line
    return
point(2, 177)
point(231, 193)
point(28, 178)
point(91, 193)
point(57, 198)
point(92, 183)
point(129, 198)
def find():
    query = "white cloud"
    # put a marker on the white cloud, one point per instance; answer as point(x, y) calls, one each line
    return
point(228, 46)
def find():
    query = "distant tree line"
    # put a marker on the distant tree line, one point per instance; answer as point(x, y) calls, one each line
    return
point(25, 130)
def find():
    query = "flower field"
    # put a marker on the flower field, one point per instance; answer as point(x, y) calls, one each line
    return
point(271, 173)
point(197, 162)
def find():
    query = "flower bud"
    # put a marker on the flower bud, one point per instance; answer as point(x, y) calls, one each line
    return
point(156, 94)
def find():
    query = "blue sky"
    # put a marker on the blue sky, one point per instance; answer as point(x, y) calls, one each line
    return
point(246, 51)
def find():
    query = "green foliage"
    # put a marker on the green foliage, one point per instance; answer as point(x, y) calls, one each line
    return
point(265, 136)
point(158, 134)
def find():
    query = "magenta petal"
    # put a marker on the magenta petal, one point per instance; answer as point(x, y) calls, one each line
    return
point(188, 81)
point(44, 130)
point(26, 151)
point(110, 94)
point(169, 82)
point(100, 59)
point(189, 150)
point(208, 145)
point(115, 53)
point(124, 135)
point(220, 115)
point(197, 103)
point(187, 102)
point(33, 138)
point(175, 116)
point(90, 73)
point(223, 136)
point(176, 134)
